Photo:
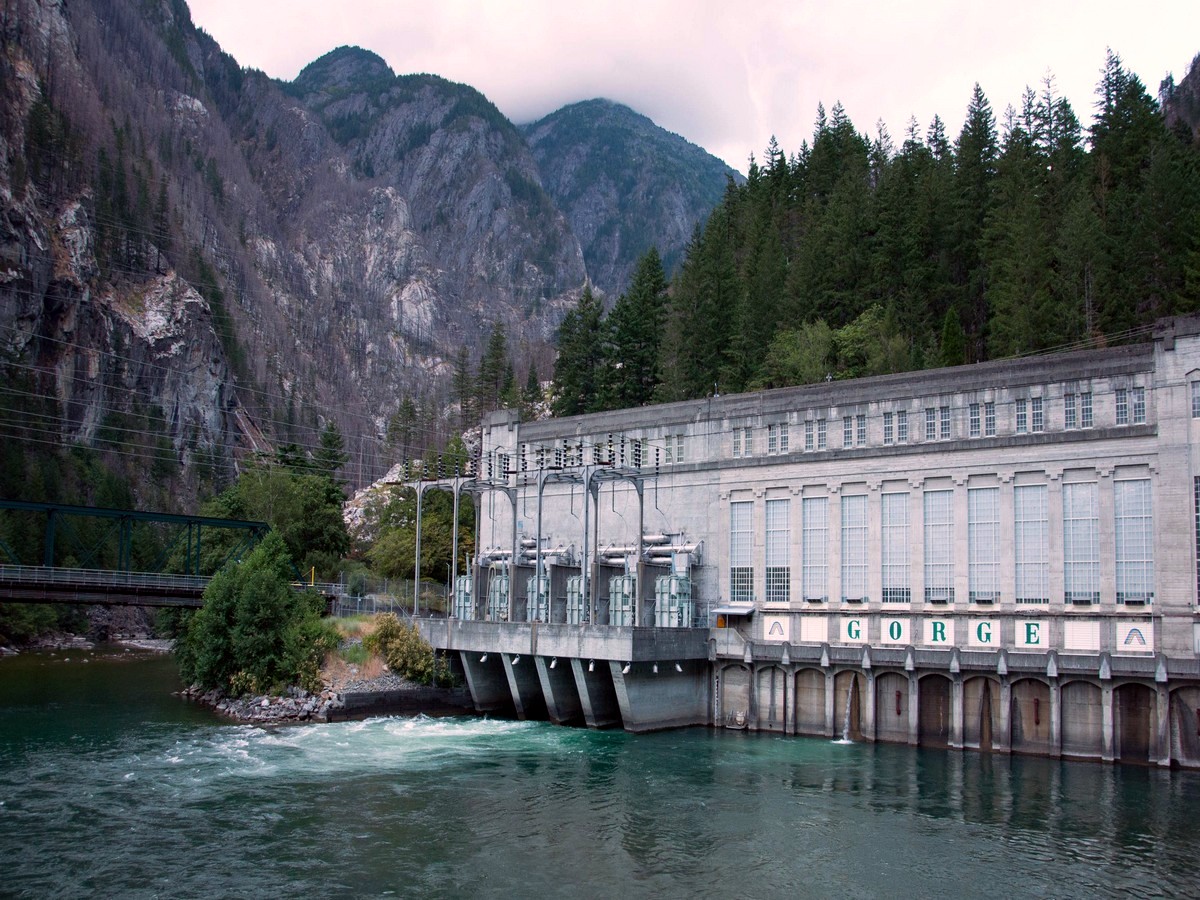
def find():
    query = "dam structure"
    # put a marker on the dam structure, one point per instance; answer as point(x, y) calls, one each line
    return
point(1000, 556)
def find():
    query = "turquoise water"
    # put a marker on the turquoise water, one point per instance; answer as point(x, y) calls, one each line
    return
point(109, 786)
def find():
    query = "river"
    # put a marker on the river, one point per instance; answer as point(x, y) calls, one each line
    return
point(109, 786)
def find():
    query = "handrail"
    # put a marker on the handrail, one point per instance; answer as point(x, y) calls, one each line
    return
point(103, 577)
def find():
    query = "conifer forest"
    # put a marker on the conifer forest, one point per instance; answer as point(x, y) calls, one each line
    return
point(863, 255)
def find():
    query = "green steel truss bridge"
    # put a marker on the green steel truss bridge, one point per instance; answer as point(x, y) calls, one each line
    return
point(87, 555)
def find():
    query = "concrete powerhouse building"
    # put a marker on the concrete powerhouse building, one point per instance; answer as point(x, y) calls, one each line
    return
point(999, 556)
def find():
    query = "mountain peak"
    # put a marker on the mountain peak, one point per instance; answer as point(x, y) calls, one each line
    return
point(344, 68)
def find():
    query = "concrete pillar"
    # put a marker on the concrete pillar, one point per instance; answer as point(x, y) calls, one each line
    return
point(868, 707)
point(1107, 752)
point(1055, 718)
point(752, 712)
point(789, 700)
point(956, 712)
point(558, 688)
point(829, 700)
point(486, 681)
point(1160, 745)
point(597, 699)
point(524, 686)
point(1002, 738)
point(914, 709)
point(651, 700)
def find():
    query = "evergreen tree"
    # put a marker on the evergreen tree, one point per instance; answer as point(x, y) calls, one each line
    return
point(1126, 134)
point(331, 455)
point(954, 340)
point(578, 366)
point(974, 178)
point(531, 396)
point(495, 372)
point(697, 331)
point(634, 330)
point(1014, 244)
point(463, 387)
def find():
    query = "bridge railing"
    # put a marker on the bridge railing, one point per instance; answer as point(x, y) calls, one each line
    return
point(67, 578)
point(34, 575)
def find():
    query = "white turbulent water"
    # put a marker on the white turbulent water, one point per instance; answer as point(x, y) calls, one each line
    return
point(477, 807)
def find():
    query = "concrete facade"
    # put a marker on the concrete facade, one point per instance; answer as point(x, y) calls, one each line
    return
point(1001, 555)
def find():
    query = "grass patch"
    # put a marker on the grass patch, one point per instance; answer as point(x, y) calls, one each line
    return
point(339, 671)
point(359, 626)
point(354, 654)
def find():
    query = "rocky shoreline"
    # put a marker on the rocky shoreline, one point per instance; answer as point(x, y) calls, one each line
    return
point(386, 695)
point(66, 641)
point(297, 705)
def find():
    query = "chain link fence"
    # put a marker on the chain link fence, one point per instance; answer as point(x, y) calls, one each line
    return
point(365, 595)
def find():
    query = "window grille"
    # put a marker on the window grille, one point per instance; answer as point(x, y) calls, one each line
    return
point(1081, 543)
point(939, 546)
point(1031, 538)
point(777, 438)
point(854, 547)
point(741, 566)
point(779, 541)
point(983, 544)
point(975, 420)
point(743, 442)
point(1139, 406)
point(1135, 541)
point(894, 549)
point(814, 552)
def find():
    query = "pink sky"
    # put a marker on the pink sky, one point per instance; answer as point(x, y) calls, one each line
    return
point(728, 76)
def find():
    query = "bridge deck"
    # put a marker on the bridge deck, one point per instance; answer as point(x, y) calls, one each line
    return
point(42, 584)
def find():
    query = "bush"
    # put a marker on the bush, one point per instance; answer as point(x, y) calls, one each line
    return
point(406, 652)
point(255, 632)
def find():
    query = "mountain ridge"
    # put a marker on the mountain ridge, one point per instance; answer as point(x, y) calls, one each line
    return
point(347, 235)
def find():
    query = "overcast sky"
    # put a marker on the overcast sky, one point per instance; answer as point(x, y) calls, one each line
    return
point(728, 75)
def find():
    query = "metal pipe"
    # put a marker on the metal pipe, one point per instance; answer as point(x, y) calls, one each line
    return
point(454, 551)
point(417, 561)
point(537, 584)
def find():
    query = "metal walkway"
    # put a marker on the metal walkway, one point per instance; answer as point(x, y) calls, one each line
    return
point(41, 584)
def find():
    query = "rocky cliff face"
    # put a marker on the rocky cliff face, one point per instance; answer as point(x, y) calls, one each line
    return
point(135, 364)
point(218, 262)
point(1181, 102)
point(625, 184)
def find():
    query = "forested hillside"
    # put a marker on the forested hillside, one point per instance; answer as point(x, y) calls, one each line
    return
point(861, 255)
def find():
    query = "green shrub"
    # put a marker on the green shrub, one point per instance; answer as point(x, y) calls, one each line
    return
point(255, 632)
point(406, 652)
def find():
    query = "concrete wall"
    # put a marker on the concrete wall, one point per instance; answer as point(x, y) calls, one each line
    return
point(1109, 680)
